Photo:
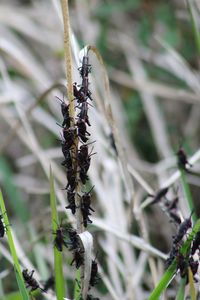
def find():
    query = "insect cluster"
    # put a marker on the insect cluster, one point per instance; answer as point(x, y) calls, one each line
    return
point(77, 154)
point(77, 159)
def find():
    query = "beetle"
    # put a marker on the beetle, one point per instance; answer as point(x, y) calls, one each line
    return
point(82, 130)
point(78, 258)
point(85, 69)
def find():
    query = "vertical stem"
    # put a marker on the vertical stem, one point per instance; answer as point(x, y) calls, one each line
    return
point(68, 70)
point(188, 195)
point(68, 56)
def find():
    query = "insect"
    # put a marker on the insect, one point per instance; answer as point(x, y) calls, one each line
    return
point(94, 278)
point(30, 281)
point(65, 113)
point(173, 253)
point(175, 217)
point(183, 228)
point(86, 207)
point(74, 239)
point(182, 159)
point(67, 162)
point(60, 239)
point(159, 195)
point(196, 243)
point(78, 258)
point(84, 113)
point(182, 265)
point(71, 177)
point(85, 69)
point(82, 130)
point(49, 284)
point(69, 135)
point(2, 226)
point(71, 200)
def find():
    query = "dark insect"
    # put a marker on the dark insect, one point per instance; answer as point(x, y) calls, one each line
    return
point(175, 217)
point(78, 258)
point(67, 162)
point(83, 176)
point(90, 297)
point(182, 159)
point(65, 113)
point(94, 277)
point(173, 253)
point(84, 113)
point(74, 240)
point(79, 94)
point(182, 265)
point(183, 228)
point(71, 178)
point(30, 281)
point(2, 226)
point(69, 135)
point(194, 264)
point(85, 69)
point(60, 239)
point(86, 207)
point(71, 200)
point(196, 243)
point(83, 93)
point(159, 195)
point(82, 130)
point(172, 205)
point(49, 284)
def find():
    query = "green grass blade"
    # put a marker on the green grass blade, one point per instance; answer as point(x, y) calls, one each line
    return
point(14, 296)
point(188, 194)
point(181, 290)
point(58, 261)
point(167, 277)
point(18, 273)
point(194, 26)
point(77, 290)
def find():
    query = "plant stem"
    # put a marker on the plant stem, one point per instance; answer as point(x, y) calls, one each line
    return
point(188, 195)
point(68, 57)
point(181, 290)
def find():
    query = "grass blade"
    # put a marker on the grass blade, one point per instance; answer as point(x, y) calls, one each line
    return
point(181, 290)
point(194, 26)
point(77, 290)
point(188, 194)
point(58, 261)
point(17, 269)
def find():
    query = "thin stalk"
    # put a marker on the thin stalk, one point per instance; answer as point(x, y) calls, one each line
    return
point(188, 195)
point(68, 57)
point(58, 262)
point(17, 268)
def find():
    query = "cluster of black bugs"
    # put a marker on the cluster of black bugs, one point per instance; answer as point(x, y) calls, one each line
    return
point(77, 158)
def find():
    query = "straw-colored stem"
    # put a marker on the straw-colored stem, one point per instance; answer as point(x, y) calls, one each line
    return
point(68, 57)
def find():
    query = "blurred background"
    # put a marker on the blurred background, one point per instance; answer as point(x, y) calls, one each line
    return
point(151, 55)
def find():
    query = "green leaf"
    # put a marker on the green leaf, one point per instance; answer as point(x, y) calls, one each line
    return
point(181, 290)
point(18, 273)
point(194, 26)
point(14, 296)
point(58, 261)
point(77, 290)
